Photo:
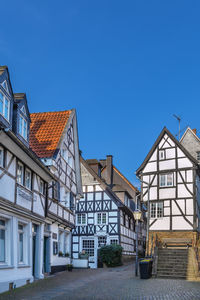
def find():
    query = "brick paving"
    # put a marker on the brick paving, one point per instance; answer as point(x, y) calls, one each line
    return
point(108, 284)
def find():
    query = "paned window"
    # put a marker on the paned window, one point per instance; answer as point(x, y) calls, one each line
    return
point(88, 246)
point(166, 179)
point(23, 127)
point(102, 241)
point(1, 157)
point(42, 187)
point(198, 155)
point(81, 219)
point(20, 173)
point(21, 243)
point(4, 106)
point(101, 218)
point(114, 242)
point(28, 179)
point(2, 241)
point(156, 210)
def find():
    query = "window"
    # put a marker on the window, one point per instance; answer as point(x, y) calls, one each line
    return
point(81, 219)
point(1, 157)
point(28, 179)
point(5, 86)
point(4, 106)
point(198, 155)
point(20, 173)
point(70, 161)
point(64, 154)
point(162, 154)
point(114, 242)
point(23, 127)
point(21, 243)
point(2, 241)
point(101, 218)
point(42, 187)
point(166, 179)
point(56, 191)
point(102, 241)
point(156, 210)
point(88, 246)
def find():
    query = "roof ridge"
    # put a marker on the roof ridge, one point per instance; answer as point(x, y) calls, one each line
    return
point(48, 112)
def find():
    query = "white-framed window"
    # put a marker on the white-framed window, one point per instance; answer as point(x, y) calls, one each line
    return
point(4, 106)
point(28, 179)
point(64, 154)
point(63, 242)
point(161, 154)
point(166, 179)
point(81, 219)
point(88, 246)
point(23, 128)
point(1, 157)
point(156, 210)
point(41, 187)
point(5, 85)
point(198, 155)
point(22, 259)
point(20, 173)
point(101, 218)
point(102, 240)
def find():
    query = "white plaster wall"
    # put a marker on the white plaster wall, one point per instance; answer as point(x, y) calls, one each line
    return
point(5, 192)
point(167, 193)
point(179, 223)
point(160, 224)
point(167, 164)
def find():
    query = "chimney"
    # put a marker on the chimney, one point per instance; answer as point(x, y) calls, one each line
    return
point(109, 169)
point(194, 130)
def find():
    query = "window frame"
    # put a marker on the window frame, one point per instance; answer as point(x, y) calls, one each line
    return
point(22, 181)
point(161, 152)
point(4, 228)
point(99, 221)
point(79, 218)
point(166, 180)
point(156, 213)
point(2, 162)
point(23, 232)
point(25, 173)
point(42, 184)
point(4, 98)
point(198, 155)
point(21, 126)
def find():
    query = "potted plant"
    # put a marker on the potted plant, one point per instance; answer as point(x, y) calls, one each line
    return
point(69, 267)
point(67, 254)
point(60, 253)
point(83, 255)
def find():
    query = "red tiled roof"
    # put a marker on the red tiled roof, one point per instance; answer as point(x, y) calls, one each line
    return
point(46, 130)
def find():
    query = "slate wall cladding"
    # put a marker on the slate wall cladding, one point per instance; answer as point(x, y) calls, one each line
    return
point(191, 143)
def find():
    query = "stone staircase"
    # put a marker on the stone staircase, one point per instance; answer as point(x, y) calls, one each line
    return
point(177, 263)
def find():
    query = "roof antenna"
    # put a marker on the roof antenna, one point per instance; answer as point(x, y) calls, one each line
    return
point(179, 125)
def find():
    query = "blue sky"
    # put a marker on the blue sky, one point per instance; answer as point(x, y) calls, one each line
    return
point(126, 66)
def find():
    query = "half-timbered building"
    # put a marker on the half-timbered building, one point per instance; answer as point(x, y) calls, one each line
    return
point(54, 138)
point(102, 217)
point(23, 185)
point(170, 185)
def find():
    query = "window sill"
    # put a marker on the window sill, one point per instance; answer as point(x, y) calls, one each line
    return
point(23, 266)
point(6, 267)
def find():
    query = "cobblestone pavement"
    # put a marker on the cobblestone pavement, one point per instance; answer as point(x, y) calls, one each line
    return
point(108, 284)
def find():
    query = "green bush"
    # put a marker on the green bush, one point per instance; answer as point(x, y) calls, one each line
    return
point(111, 255)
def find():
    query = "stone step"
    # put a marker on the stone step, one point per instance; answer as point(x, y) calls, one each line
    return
point(171, 276)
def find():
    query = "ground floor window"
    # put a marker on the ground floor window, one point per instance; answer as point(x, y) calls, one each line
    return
point(2, 241)
point(102, 241)
point(114, 242)
point(156, 210)
point(88, 246)
point(21, 243)
point(62, 243)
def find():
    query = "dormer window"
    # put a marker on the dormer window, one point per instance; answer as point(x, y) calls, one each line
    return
point(23, 127)
point(5, 86)
point(4, 106)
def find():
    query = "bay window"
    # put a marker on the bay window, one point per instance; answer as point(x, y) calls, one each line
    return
point(4, 106)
